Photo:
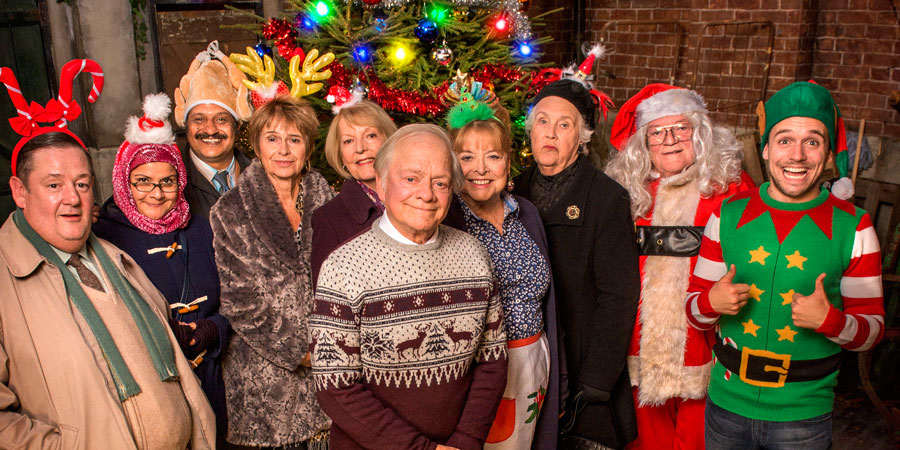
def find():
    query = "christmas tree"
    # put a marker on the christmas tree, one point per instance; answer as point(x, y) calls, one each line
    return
point(412, 58)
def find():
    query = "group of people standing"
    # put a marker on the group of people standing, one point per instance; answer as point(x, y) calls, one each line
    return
point(434, 303)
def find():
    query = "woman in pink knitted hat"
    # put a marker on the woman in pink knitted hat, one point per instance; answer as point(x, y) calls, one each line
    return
point(149, 218)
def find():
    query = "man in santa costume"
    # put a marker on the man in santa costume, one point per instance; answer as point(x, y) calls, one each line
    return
point(677, 167)
point(788, 275)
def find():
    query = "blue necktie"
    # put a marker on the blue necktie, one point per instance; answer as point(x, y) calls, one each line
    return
point(222, 179)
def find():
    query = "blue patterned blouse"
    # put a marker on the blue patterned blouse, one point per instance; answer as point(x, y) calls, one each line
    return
point(519, 266)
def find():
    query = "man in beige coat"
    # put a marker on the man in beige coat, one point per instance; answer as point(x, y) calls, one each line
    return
point(86, 358)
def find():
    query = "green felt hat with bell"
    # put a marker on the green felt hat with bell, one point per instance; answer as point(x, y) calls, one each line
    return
point(808, 99)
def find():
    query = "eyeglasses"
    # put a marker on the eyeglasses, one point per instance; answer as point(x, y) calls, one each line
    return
point(680, 132)
point(164, 186)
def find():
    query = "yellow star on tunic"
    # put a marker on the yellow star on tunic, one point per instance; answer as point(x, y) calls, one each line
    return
point(750, 327)
point(787, 296)
point(795, 260)
point(759, 255)
point(755, 292)
point(786, 334)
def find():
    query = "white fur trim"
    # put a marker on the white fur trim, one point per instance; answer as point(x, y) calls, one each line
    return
point(659, 371)
point(843, 189)
point(598, 50)
point(156, 107)
point(355, 97)
point(669, 103)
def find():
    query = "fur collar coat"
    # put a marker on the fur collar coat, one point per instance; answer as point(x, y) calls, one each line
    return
point(267, 296)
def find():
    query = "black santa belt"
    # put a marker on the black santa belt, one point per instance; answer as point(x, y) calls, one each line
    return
point(767, 369)
point(655, 240)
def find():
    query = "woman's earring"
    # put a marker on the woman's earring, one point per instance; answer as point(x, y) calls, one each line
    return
point(510, 185)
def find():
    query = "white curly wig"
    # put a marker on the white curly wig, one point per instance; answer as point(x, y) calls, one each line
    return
point(717, 162)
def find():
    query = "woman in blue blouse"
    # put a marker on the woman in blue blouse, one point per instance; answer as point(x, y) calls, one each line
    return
point(510, 229)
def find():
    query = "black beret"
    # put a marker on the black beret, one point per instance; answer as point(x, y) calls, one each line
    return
point(575, 93)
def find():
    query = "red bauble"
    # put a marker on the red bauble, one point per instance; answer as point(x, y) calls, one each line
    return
point(371, 2)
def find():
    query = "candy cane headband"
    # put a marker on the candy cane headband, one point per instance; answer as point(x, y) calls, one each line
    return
point(59, 111)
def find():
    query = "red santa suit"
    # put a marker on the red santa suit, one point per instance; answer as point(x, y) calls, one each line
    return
point(669, 362)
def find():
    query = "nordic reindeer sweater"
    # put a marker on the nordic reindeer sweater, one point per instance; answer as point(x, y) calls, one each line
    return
point(779, 249)
point(408, 343)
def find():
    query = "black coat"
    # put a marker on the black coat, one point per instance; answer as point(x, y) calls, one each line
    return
point(200, 192)
point(168, 275)
point(341, 219)
point(595, 272)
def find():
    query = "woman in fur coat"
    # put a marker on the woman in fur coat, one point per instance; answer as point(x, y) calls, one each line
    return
point(262, 243)
point(677, 168)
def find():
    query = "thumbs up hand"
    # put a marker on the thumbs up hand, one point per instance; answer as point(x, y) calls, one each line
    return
point(726, 297)
point(809, 311)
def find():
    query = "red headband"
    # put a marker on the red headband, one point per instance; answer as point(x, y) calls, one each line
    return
point(59, 111)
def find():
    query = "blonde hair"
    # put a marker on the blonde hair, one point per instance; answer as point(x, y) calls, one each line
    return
point(497, 128)
point(293, 111)
point(364, 113)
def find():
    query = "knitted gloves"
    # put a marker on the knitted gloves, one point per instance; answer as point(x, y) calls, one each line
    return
point(205, 336)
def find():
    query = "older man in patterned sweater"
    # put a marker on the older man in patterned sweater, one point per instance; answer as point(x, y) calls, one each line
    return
point(408, 344)
point(790, 274)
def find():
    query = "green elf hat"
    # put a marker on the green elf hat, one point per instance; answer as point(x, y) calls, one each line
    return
point(808, 99)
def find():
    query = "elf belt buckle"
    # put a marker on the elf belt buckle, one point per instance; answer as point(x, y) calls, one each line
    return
point(760, 365)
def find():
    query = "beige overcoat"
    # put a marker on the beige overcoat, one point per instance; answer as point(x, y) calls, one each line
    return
point(54, 393)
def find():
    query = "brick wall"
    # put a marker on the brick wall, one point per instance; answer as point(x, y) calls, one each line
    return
point(850, 46)
point(560, 26)
point(858, 57)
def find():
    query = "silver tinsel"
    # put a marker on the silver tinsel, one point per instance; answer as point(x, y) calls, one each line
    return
point(521, 24)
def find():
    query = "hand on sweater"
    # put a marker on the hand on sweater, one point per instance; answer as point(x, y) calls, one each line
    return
point(726, 297)
point(809, 311)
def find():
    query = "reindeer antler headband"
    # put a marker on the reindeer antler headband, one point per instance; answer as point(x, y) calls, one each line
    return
point(59, 111)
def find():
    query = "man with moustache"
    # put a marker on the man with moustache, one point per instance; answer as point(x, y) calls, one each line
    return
point(86, 357)
point(790, 275)
point(209, 102)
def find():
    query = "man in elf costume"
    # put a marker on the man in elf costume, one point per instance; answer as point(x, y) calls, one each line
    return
point(210, 102)
point(791, 274)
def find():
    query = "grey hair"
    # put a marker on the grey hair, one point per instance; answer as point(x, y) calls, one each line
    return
point(584, 131)
point(717, 162)
point(407, 135)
